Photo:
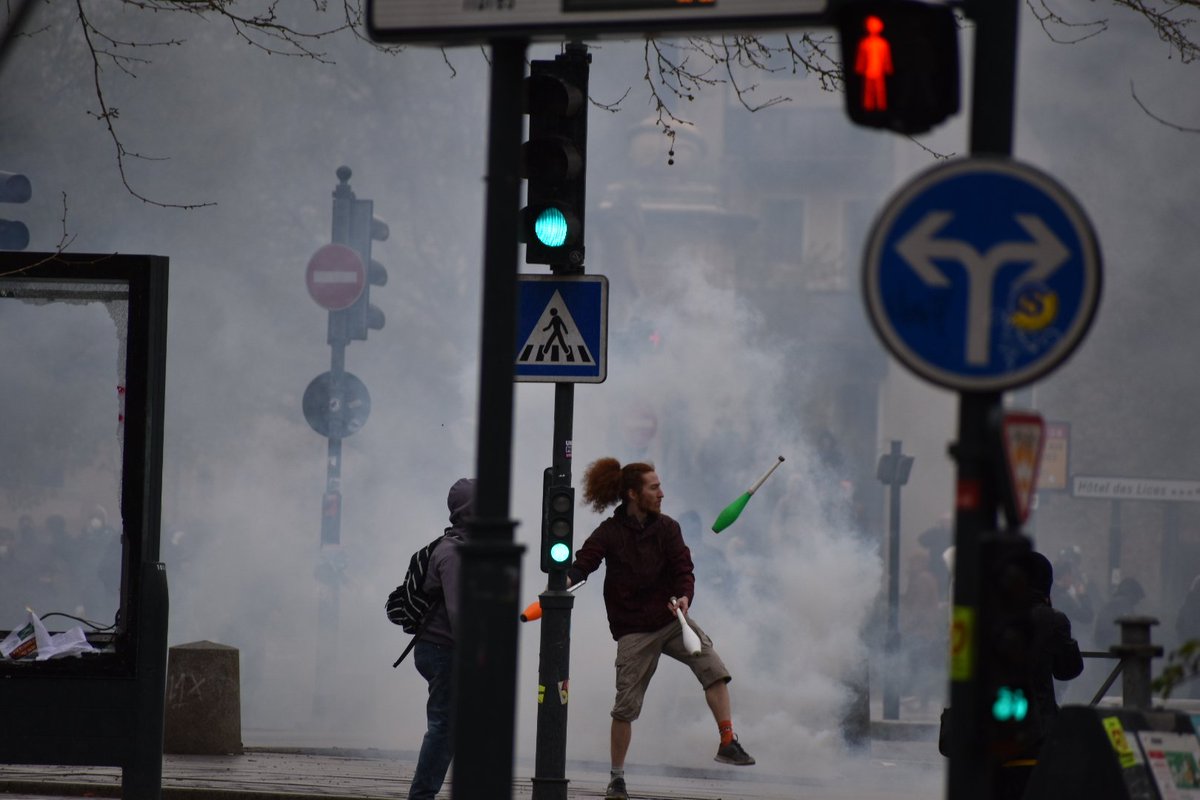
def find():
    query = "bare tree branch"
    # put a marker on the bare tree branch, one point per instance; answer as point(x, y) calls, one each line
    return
point(262, 30)
point(675, 72)
point(108, 114)
point(1050, 19)
point(1157, 118)
point(1172, 20)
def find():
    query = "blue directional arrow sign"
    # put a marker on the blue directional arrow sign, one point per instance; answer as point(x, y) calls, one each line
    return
point(562, 328)
point(982, 274)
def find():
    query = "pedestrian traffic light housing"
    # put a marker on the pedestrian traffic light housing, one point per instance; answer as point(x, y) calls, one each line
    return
point(558, 522)
point(366, 228)
point(554, 159)
point(899, 63)
point(356, 226)
point(1007, 644)
point(14, 188)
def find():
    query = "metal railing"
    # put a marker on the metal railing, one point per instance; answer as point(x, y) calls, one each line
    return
point(1133, 656)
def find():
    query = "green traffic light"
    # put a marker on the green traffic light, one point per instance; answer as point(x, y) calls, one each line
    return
point(560, 553)
point(550, 227)
point(1010, 705)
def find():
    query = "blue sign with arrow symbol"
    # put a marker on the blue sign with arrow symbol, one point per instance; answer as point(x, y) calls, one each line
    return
point(982, 274)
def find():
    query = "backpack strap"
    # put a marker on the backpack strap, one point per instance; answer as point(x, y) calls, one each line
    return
point(417, 635)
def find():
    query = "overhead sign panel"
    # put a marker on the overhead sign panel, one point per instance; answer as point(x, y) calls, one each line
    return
point(461, 22)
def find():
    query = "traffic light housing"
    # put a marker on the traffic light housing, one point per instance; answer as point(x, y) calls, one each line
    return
point(366, 228)
point(1007, 646)
point(558, 523)
point(14, 188)
point(899, 63)
point(356, 226)
point(554, 159)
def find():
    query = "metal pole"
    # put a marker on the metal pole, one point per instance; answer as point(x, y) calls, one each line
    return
point(1114, 545)
point(486, 651)
point(970, 774)
point(554, 658)
point(328, 599)
point(1170, 586)
point(1137, 651)
point(891, 693)
point(995, 76)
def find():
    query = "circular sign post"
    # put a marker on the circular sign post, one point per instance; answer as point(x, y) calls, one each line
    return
point(335, 276)
point(982, 274)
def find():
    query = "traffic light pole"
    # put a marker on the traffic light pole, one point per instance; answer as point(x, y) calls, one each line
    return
point(485, 677)
point(554, 656)
point(893, 471)
point(328, 578)
point(971, 775)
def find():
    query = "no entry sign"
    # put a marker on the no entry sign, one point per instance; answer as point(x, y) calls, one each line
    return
point(335, 276)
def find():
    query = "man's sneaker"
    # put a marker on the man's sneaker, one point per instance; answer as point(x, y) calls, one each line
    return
point(616, 790)
point(734, 753)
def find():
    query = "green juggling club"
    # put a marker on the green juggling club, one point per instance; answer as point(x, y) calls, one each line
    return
point(734, 509)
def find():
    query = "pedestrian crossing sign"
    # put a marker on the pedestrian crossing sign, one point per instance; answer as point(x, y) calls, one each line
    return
point(562, 329)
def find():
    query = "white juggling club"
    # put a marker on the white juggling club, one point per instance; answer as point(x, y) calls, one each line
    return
point(690, 640)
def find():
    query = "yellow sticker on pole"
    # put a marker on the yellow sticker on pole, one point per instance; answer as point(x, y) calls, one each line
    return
point(1120, 743)
point(541, 693)
point(962, 654)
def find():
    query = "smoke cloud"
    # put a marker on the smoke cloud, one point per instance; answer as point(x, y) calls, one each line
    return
point(716, 366)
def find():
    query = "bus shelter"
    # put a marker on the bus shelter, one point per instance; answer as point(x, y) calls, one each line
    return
point(83, 349)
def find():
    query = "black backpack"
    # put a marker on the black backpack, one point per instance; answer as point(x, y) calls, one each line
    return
point(409, 604)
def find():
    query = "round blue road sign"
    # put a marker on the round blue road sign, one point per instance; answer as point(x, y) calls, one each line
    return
point(982, 274)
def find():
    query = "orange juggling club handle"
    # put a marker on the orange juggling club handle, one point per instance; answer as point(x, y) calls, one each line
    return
point(534, 610)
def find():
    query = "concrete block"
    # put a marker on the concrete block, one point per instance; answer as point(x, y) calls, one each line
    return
point(204, 700)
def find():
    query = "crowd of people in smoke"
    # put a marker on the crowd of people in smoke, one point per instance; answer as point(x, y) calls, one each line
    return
point(50, 567)
point(1093, 614)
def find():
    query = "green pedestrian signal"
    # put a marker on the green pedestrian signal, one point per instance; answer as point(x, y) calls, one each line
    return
point(1011, 705)
point(550, 227)
point(558, 507)
point(560, 553)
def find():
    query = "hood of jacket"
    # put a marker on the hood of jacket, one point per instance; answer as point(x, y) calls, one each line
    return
point(461, 501)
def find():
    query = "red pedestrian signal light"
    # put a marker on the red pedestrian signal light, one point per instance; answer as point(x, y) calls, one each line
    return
point(873, 63)
point(899, 63)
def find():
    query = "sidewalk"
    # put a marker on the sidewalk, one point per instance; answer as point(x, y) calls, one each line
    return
point(894, 770)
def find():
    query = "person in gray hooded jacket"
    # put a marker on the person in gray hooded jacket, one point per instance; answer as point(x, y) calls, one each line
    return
point(434, 650)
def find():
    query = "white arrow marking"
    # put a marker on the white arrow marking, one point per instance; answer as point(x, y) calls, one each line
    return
point(920, 248)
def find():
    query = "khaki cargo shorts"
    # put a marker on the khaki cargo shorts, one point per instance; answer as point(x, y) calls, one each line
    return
point(637, 659)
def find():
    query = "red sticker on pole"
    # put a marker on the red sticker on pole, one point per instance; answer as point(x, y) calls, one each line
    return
point(335, 277)
point(968, 495)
